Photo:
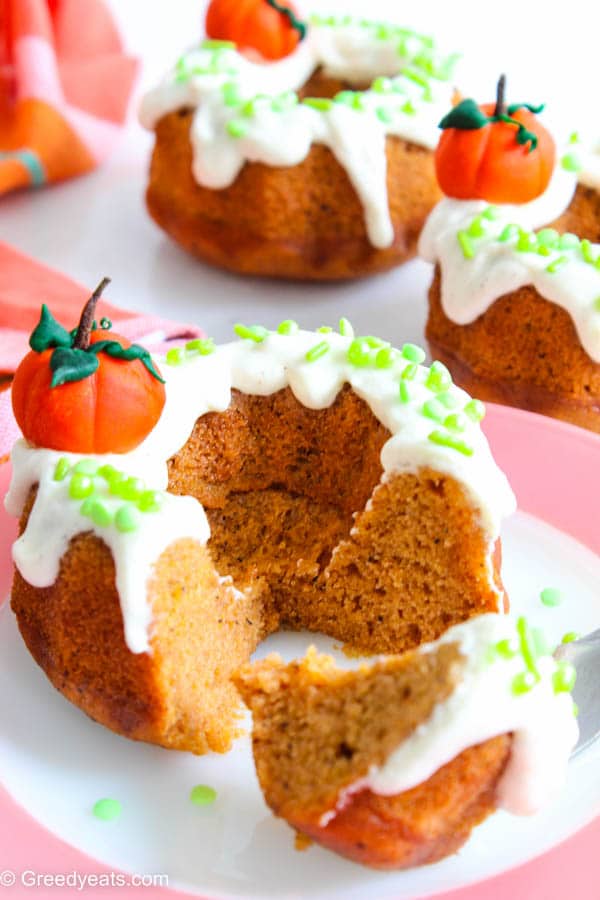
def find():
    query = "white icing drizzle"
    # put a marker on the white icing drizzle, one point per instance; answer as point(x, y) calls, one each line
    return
point(470, 285)
point(273, 128)
point(483, 706)
point(204, 384)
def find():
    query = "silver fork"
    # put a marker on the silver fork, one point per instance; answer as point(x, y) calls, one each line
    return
point(584, 654)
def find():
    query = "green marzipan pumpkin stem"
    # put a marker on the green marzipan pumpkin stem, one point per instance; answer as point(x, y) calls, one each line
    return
point(86, 322)
point(500, 92)
point(296, 24)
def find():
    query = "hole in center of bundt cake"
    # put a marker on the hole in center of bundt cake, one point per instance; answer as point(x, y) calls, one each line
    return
point(280, 484)
point(286, 490)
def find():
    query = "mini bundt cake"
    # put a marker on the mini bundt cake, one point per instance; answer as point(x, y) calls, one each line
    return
point(316, 166)
point(513, 308)
point(295, 479)
point(394, 763)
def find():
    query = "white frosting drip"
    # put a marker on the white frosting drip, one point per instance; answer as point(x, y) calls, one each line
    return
point(483, 706)
point(204, 384)
point(469, 286)
point(283, 136)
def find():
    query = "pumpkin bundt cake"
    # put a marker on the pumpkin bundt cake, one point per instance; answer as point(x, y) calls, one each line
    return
point(295, 479)
point(315, 166)
point(514, 310)
point(394, 763)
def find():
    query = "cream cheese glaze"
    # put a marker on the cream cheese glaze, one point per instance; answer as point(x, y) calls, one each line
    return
point(432, 423)
point(505, 257)
point(490, 700)
point(246, 111)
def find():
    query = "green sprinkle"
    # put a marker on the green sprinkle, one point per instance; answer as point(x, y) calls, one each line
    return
point(413, 353)
point(527, 242)
point(563, 680)
point(568, 241)
point(527, 646)
point(81, 486)
point(575, 709)
point(438, 378)
point(508, 233)
point(254, 333)
point(586, 251)
point(321, 104)
point(62, 468)
point(408, 109)
point(237, 128)
point(548, 237)
point(409, 372)
point(384, 115)
point(203, 346)
point(249, 108)
point(203, 795)
point(569, 637)
point(175, 356)
point(448, 399)
point(456, 422)
point(210, 44)
point(86, 467)
point(108, 472)
point(476, 228)
point(574, 137)
point(374, 342)
point(475, 410)
point(491, 212)
point(405, 395)
point(288, 326)
point(570, 162)
point(116, 483)
point(317, 351)
point(381, 85)
point(127, 518)
point(325, 329)
point(359, 353)
point(96, 511)
point(551, 597)
point(385, 358)
point(434, 410)
point(523, 683)
point(346, 329)
point(596, 304)
point(149, 501)
point(506, 648)
point(446, 440)
point(231, 94)
point(106, 809)
point(466, 244)
point(557, 264)
point(541, 250)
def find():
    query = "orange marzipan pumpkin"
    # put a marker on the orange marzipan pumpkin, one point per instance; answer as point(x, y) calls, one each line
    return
point(489, 164)
point(253, 24)
point(109, 411)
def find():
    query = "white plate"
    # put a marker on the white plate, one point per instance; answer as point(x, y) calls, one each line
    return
point(56, 763)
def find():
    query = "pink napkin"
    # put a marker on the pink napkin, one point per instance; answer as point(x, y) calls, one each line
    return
point(24, 285)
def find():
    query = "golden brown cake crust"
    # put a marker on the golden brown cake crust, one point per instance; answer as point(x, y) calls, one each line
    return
point(285, 490)
point(423, 825)
point(524, 350)
point(304, 221)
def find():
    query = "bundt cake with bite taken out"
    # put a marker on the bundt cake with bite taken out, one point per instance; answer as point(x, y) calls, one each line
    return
point(394, 763)
point(308, 480)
